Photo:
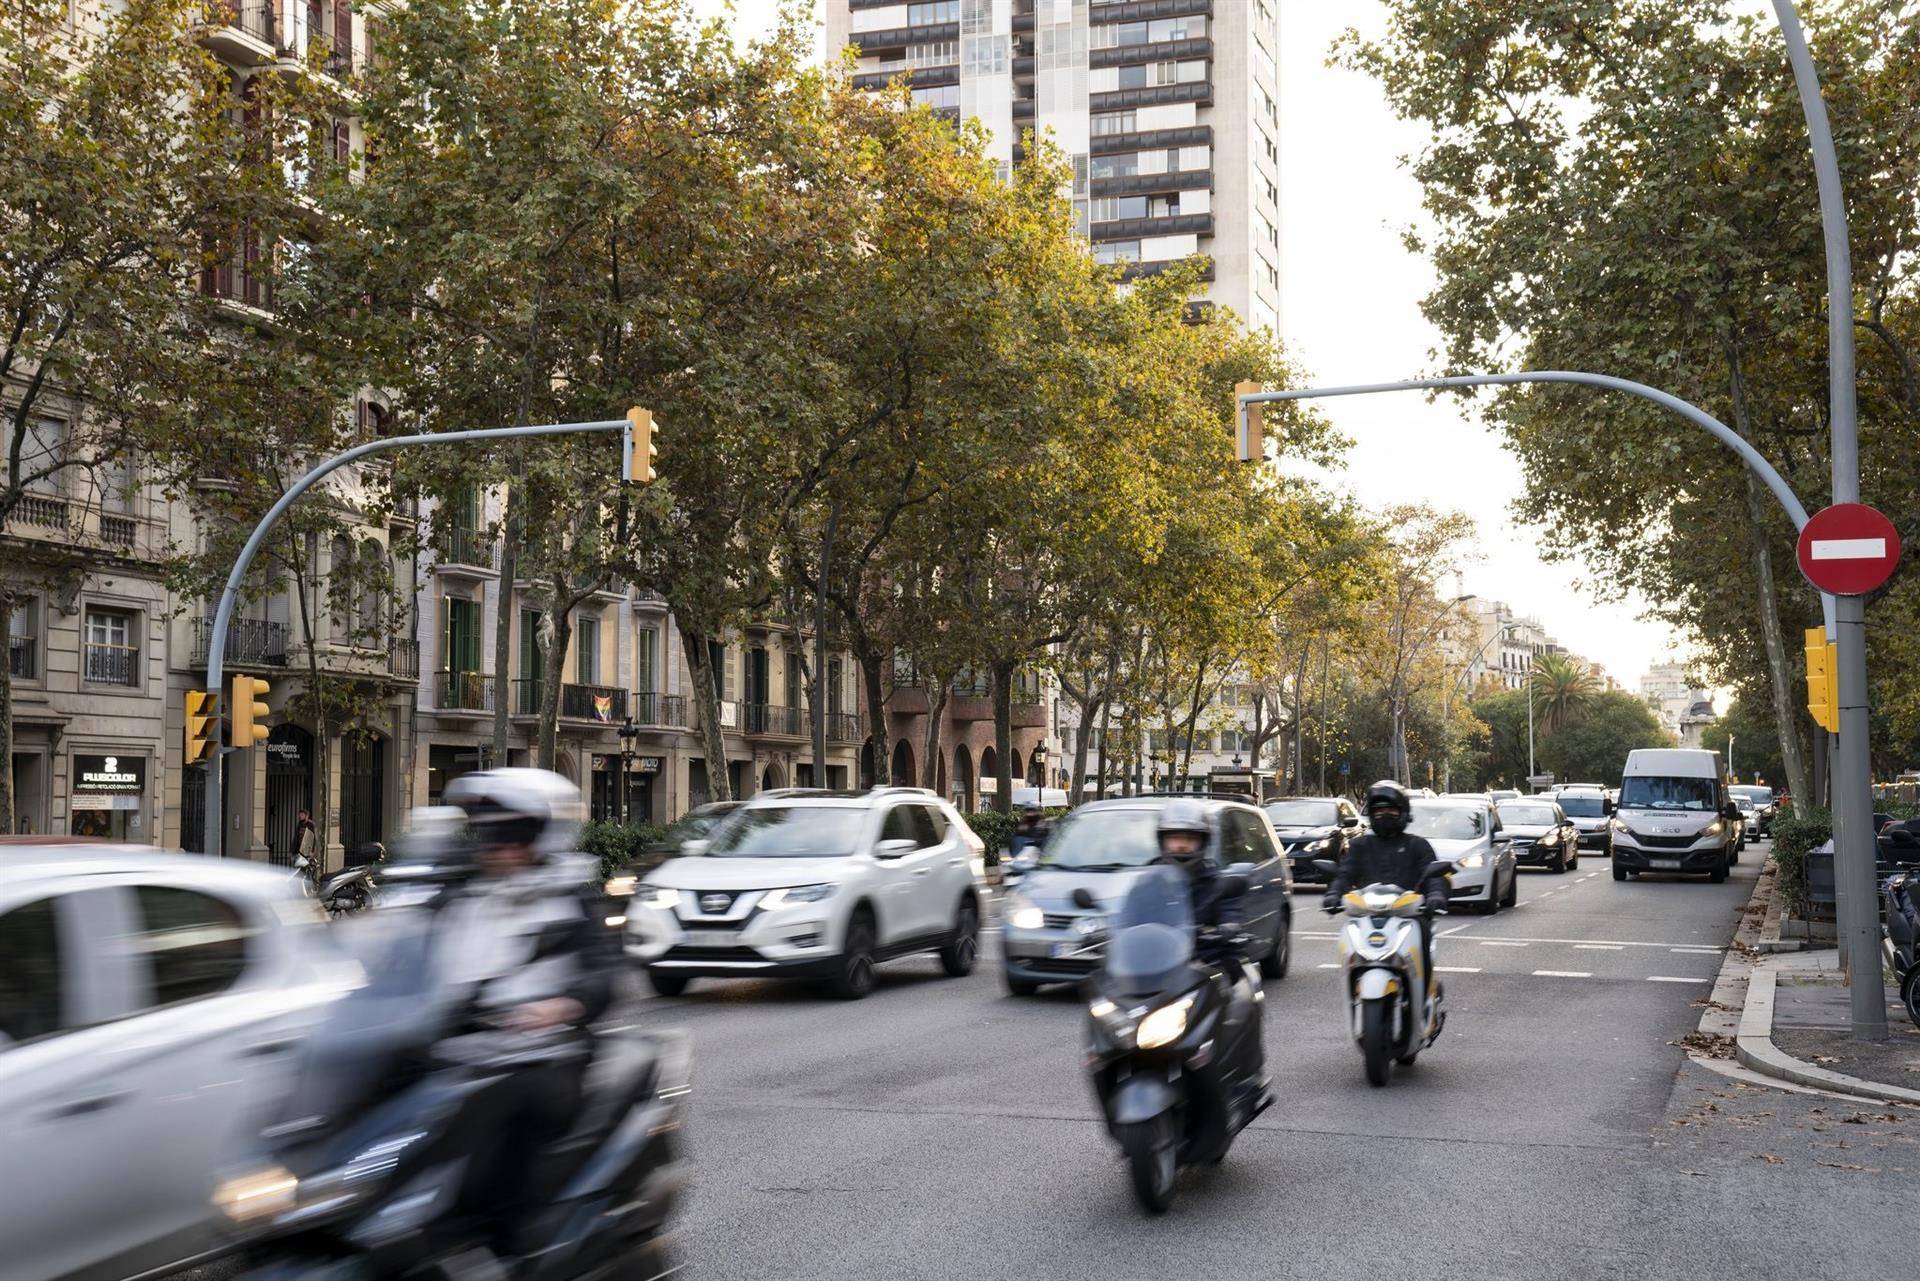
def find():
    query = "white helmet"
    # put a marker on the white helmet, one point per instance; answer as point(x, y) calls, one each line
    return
point(518, 806)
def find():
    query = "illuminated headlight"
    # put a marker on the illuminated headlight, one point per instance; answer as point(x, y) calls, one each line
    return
point(1620, 825)
point(1320, 846)
point(1022, 914)
point(792, 895)
point(1714, 828)
point(622, 886)
point(1550, 839)
point(259, 1194)
point(657, 896)
point(1165, 1025)
point(1474, 859)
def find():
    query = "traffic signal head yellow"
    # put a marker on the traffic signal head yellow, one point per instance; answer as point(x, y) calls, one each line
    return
point(1823, 691)
point(1250, 447)
point(248, 712)
point(202, 725)
point(639, 452)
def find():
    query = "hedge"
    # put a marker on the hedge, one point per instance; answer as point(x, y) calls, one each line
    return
point(621, 847)
point(1795, 834)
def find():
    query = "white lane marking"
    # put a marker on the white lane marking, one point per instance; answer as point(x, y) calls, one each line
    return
point(1450, 933)
point(1456, 969)
point(1849, 548)
point(1529, 938)
point(1695, 951)
point(1498, 942)
point(1563, 974)
point(1598, 947)
point(1671, 978)
point(1329, 965)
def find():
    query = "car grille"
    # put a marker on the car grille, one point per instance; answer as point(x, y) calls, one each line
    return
point(1523, 847)
point(712, 954)
point(1664, 842)
point(1059, 920)
point(707, 902)
point(1067, 967)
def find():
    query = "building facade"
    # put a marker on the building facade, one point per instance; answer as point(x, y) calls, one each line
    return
point(1166, 109)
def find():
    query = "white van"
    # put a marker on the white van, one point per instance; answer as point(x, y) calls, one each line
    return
point(1674, 815)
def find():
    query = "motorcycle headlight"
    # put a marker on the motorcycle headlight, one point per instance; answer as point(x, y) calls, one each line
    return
point(258, 1194)
point(657, 896)
point(1165, 1025)
point(1022, 914)
point(794, 894)
point(1474, 859)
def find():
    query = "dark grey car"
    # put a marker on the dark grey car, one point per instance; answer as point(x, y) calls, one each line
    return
point(1102, 847)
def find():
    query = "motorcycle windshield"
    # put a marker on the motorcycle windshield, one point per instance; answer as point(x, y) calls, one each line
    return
point(1151, 944)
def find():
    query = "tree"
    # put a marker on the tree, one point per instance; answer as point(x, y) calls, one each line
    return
point(1409, 615)
point(1562, 689)
point(1593, 746)
point(1756, 752)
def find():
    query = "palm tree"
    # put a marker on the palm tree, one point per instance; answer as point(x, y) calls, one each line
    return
point(1561, 688)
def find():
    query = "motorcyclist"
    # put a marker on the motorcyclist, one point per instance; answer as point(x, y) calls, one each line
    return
point(1029, 833)
point(1390, 855)
point(528, 936)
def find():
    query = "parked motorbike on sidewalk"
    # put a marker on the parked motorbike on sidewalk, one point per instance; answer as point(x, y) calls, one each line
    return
point(1173, 1040)
point(1391, 1011)
point(1900, 937)
point(349, 891)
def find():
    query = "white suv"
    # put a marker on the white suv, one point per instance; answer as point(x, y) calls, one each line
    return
point(813, 884)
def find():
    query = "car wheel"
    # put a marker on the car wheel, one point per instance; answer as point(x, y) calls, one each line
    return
point(1513, 889)
point(1573, 859)
point(1910, 994)
point(668, 984)
point(1274, 964)
point(1018, 986)
point(1619, 872)
point(856, 977)
point(1719, 873)
point(1560, 863)
point(963, 948)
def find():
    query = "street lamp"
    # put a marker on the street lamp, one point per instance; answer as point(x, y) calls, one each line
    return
point(629, 734)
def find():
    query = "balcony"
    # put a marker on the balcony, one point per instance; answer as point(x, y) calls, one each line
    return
point(1138, 228)
point(243, 280)
point(118, 531)
point(665, 710)
point(916, 77)
point(23, 657)
point(1195, 91)
point(604, 704)
point(871, 43)
point(1161, 51)
point(42, 511)
point(1109, 144)
point(773, 720)
point(1137, 184)
point(251, 642)
point(457, 692)
point(403, 660)
point(1140, 10)
point(110, 664)
point(1135, 270)
point(844, 727)
point(466, 551)
point(241, 32)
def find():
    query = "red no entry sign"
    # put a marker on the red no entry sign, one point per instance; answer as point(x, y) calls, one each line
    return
point(1848, 549)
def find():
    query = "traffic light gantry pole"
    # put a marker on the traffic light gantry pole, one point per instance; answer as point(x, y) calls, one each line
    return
point(637, 464)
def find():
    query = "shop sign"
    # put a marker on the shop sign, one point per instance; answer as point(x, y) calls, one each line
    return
point(109, 782)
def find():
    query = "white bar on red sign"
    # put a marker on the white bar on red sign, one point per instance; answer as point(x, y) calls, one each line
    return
point(1849, 548)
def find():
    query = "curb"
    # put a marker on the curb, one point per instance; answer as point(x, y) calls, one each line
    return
point(1754, 1047)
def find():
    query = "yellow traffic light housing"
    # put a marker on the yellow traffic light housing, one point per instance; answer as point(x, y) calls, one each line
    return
point(1250, 445)
point(248, 712)
point(638, 452)
point(203, 725)
point(1823, 686)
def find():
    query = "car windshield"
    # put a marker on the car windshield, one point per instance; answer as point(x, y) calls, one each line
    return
point(1652, 792)
point(789, 831)
point(1588, 806)
point(1448, 822)
point(1758, 795)
point(1528, 815)
point(1115, 838)
point(1304, 813)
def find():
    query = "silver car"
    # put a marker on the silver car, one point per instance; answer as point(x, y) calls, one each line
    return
point(1469, 835)
point(1101, 848)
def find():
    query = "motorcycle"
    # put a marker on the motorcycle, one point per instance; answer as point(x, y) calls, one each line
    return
point(364, 1164)
point(1173, 1040)
point(1392, 1013)
point(1900, 937)
point(349, 891)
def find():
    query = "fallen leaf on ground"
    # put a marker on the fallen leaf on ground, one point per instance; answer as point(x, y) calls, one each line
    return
point(1771, 1159)
point(1842, 1165)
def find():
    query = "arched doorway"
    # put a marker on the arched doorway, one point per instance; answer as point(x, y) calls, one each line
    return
point(866, 765)
point(289, 787)
point(363, 791)
point(1018, 775)
point(963, 779)
point(903, 764)
point(770, 778)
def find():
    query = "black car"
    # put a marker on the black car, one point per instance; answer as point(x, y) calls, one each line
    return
point(1541, 833)
point(1311, 827)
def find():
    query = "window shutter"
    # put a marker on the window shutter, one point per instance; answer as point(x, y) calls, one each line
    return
point(343, 34)
point(342, 142)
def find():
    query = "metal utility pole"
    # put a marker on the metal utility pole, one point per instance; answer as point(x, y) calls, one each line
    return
point(1531, 771)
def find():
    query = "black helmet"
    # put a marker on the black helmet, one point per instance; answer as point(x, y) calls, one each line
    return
point(1388, 808)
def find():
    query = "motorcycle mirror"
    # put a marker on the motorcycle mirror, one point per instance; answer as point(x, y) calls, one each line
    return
point(1084, 900)
point(1232, 884)
point(1326, 865)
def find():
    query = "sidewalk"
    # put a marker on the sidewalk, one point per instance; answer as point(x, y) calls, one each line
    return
point(1796, 1025)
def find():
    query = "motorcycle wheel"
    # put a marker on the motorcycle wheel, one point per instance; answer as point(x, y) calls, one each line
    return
point(1150, 1163)
point(1910, 994)
point(1376, 1040)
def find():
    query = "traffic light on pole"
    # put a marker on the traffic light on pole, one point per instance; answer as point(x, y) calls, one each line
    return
point(1823, 685)
point(203, 720)
point(639, 451)
point(1251, 448)
point(248, 711)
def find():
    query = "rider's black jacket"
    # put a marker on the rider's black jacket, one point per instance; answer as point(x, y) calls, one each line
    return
point(1218, 917)
point(1402, 861)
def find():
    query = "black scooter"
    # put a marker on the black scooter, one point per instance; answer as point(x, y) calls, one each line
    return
point(1173, 1040)
point(1900, 936)
point(365, 1165)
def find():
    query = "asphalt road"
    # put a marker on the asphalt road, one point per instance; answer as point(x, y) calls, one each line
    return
point(942, 1129)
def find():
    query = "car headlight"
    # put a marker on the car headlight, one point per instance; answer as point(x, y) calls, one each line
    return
point(794, 894)
point(1550, 839)
point(1620, 825)
point(1475, 859)
point(622, 886)
point(657, 896)
point(258, 1194)
point(1022, 914)
point(1320, 846)
point(1165, 1025)
point(1714, 828)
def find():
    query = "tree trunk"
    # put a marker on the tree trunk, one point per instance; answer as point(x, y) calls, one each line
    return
point(820, 647)
point(1076, 782)
point(877, 727)
point(936, 707)
point(706, 698)
point(7, 823)
point(305, 580)
point(1001, 673)
point(555, 631)
point(503, 624)
point(1106, 726)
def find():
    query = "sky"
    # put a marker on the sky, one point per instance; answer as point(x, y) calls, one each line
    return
point(1349, 312)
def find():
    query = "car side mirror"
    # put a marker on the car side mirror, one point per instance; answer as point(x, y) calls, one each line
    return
point(1233, 884)
point(1326, 865)
point(1084, 900)
point(1606, 807)
point(898, 847)
point(1732, 811)
point(693, 849)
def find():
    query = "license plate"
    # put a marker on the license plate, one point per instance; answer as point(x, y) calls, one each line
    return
point(711, 938)
point(1664, 864)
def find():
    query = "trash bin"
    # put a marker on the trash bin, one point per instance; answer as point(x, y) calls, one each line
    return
point(1820, 874)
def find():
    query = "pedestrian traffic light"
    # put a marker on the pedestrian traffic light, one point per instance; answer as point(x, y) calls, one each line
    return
point(639, 452)
point(1823, 690)
point(248, 711)
point(203, 721)
point(1250, 447)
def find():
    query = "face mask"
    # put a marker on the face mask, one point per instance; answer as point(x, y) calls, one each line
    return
point(1389, 823)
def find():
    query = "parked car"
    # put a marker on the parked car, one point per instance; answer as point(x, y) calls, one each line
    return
point(151, 1006)
point(824, 885)
point(1591, 813)
point(1749, 820)
point(1764, 805)
point(1469, 835)
point(1312, 827)
point(1674, 815)
point(1540, 832)
point(1102, 847)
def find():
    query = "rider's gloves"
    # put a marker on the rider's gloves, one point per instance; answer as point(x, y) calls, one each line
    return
point(1330, 900)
